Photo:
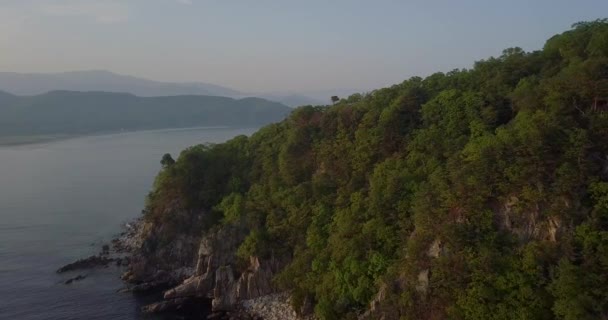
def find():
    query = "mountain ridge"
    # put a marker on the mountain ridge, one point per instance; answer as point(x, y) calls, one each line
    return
point(103, 80)
point(27, 84)
point(76, 112)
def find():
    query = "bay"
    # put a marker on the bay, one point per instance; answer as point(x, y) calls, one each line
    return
point(61, 200)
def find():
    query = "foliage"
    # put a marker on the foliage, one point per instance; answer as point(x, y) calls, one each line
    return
point(494, 180)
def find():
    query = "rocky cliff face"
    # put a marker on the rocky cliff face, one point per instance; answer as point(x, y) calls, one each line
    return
point(531, 223)
point(525, 225)
point(215, 273)
point(156, 263)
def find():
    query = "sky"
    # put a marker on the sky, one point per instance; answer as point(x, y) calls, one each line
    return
point(276, 46)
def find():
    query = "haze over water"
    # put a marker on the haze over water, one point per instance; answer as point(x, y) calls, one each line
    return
point(61, 201)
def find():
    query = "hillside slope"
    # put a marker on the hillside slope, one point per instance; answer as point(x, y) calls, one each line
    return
point(476, 194)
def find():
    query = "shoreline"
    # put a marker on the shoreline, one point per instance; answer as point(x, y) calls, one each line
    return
point(25, 140)
point(13, 141)
point(122, 252)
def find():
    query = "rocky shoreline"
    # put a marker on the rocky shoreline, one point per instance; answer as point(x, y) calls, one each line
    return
point(206, 283)
point(272, 307)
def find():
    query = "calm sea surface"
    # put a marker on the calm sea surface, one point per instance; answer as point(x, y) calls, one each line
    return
point(61, 201)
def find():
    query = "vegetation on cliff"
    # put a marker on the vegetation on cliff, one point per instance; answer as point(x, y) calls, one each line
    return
point(476, 194)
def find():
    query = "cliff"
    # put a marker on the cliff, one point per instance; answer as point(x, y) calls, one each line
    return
point(216, 276)
point(476, 194)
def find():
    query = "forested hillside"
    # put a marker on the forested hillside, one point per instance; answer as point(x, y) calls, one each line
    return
point(472, 194)
point(72, 113)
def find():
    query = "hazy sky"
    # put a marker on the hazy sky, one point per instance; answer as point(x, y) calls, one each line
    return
point(282, 45)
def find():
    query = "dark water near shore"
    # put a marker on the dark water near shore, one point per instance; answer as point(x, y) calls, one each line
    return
point(60, 201)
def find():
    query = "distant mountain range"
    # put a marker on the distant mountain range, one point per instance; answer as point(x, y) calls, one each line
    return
point(74, 113)
point(98, 80)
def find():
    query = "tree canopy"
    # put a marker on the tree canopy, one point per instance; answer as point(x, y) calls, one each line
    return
point(473, 194)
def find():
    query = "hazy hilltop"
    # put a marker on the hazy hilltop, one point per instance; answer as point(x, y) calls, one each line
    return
point(99, 80)
point(295, 100)
point(70, 112)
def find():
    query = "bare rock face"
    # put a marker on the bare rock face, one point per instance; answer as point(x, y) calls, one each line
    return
point(224, 292)
point(529, 223)
point(379, 307)
point(554, 228)
point(256, 280)
point(216, 276)
point(216, 250)
point(272, 307)
point(151, 253)
point(374, 306)
point(423, 282)
point(436, 249)
point(196, 286)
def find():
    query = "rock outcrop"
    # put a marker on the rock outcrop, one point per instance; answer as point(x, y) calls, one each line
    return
point(87, 263)
point(217, 275)
point(272, 307)
point(530, 223)
point(381, 309)
point(156, 263)
point(77, 278)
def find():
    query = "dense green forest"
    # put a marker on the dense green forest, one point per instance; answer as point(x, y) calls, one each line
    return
point(72, 113)
point(479, 193)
